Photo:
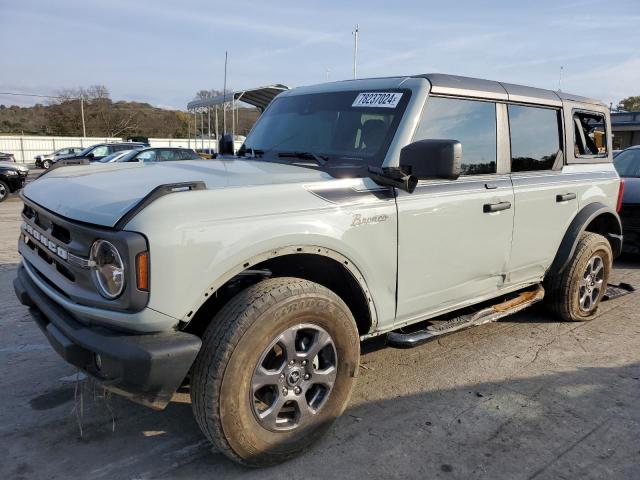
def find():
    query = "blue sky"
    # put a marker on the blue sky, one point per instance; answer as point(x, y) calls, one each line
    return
point(162, 52)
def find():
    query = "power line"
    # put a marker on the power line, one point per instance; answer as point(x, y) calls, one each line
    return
point(15, 94)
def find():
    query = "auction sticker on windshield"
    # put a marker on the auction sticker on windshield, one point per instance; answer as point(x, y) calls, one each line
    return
point(381, 99)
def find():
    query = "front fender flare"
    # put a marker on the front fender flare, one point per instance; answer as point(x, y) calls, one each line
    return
point(292, 250)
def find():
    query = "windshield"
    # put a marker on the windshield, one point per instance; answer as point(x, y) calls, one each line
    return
point(350, 130)
point(128, 155)
point(84, 152)
point(627, 163)
point(114, 156)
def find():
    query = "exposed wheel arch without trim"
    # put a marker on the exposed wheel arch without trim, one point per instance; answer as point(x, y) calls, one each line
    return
point(595, 217)
point(310, 262)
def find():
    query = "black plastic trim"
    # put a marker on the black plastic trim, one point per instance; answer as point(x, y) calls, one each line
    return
point(577, 227)
point(153, 195)
point(146, 368)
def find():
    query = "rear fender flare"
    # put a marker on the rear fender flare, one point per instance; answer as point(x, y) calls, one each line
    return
point(578, 226)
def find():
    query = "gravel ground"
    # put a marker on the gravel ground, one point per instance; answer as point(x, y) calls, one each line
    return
point(527, 397)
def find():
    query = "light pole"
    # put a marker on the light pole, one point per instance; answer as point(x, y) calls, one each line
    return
point(355, 52)
point(84, 129)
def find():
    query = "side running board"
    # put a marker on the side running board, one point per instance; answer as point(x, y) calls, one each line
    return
point(486, 315)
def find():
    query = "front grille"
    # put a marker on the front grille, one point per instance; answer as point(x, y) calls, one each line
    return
point(57, 231)
point(59, 249)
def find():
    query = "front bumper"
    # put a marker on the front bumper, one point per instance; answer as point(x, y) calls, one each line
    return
point(146, 368)
point(16, 182)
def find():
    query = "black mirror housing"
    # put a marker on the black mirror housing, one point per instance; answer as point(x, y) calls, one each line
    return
point(432, 159)
point(226, 146)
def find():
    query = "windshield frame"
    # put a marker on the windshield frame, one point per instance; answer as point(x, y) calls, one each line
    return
point(339, 166)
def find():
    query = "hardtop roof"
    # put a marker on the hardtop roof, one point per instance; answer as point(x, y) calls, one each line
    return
point(454, 84)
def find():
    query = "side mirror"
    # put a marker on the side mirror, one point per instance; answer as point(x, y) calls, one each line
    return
point(226, 146)
point(432, 159)
point(90, 156)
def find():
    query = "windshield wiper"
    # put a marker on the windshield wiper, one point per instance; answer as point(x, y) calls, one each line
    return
point(248, 152)
point(320, 159)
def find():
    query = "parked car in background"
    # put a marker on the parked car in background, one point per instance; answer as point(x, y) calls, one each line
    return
point(627, 163)
point(114, 157)
point(207, 153)
point(12, 178)
point(97, 152)
point(45, 161)
point(7, 157)
point(159, 154)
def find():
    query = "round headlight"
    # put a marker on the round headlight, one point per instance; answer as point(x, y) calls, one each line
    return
point(108, 268)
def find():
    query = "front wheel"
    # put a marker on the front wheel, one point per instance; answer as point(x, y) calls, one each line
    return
point(46, 164)
point(575, 294)
point(276, 368)
point(4, 191)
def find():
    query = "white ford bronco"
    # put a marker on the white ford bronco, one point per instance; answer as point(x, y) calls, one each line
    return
point(405, 206)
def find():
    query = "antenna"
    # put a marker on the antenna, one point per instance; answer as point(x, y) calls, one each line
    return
point(560, 79)
point(355, 52)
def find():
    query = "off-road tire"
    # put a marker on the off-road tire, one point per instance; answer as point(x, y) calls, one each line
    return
point(563, 290)
point(4, 191)
point(46, 164)
point(231, 348)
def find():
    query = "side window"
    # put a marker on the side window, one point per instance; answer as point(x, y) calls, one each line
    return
point(101, 151)
point(146, 156)
point(471, 122)
point(589, 135)
point(166, 155)
point(535, 138)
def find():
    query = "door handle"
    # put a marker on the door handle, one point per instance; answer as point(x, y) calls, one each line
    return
point(496, 207)
point(490, 186)
point(565, 197)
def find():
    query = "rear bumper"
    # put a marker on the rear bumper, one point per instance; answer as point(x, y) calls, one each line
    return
point(146, 368)
point(631, 240)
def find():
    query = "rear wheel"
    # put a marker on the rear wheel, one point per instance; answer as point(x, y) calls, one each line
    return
point(276, 369)
point(575, 294)
point(4, 191)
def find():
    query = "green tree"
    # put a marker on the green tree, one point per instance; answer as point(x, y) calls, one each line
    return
point(630, 104)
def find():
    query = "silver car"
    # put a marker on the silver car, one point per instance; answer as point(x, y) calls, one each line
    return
point(45, 161)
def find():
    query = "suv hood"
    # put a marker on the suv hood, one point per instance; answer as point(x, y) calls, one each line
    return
point(101, 194)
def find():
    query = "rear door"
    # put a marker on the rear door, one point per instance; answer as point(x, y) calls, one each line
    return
point(455, 235)
point(546, 197)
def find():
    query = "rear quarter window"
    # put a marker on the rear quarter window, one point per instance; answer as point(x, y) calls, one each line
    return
point(589, 134)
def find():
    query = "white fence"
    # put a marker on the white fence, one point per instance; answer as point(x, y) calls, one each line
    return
point(26, 148)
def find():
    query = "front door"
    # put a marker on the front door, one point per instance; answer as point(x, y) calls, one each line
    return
point(455, 236)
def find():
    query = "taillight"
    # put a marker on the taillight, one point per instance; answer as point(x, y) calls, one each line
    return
point(142, 271)
point(620, 195)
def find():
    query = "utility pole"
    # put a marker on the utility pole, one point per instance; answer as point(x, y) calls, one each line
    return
point(224, 97)
point(355, 52)
point(84, 130)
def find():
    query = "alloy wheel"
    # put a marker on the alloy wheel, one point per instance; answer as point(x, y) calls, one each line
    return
point(294, 377)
